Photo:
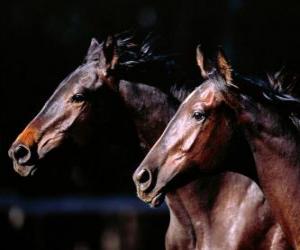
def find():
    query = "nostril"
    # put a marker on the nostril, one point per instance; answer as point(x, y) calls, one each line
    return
point(144, 176)
point(21, 153)
point(144, 179)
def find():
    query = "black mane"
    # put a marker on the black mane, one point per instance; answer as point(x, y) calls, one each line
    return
point(141, 62)
point(265, 90)
point(284, 95)
point(285, 81)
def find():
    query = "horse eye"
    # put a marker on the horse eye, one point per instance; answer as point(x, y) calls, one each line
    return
point(78, 98)
point(198, 116)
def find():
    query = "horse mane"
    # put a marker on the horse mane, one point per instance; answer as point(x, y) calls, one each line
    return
point(142, 62)
point(159, 69)
point(285, 82)
point(280, 89)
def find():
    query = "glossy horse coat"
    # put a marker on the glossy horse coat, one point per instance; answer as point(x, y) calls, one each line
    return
point(150, 109)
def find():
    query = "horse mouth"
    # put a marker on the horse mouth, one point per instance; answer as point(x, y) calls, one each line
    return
point(25, 170)
point(154, 201)
point(157, 200)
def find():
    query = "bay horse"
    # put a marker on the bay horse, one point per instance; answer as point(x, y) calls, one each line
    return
point(210, 128)
point(97, 85)
point(92, 98)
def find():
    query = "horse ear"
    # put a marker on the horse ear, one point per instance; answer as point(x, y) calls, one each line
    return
point(93, 46)
point(205, 65)
point(109, 57)
point(201, 62)
point(224, 66)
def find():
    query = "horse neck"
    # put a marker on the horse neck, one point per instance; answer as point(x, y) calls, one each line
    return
point(219, 212)
point(151, 110)
point(191, 216)
point(109, 133)
point(275, 146)
point(187, 206)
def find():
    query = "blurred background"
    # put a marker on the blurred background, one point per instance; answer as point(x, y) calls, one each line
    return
point(74, 205)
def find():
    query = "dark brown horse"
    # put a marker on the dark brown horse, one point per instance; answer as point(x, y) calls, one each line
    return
point(92, 104)
point(207, 135)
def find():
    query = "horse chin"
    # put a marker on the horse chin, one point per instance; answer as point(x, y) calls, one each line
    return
point(157, 200)
point(25, 170)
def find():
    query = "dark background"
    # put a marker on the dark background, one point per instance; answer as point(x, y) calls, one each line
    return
point(43, 41)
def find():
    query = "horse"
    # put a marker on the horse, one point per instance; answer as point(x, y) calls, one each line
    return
point(149, 105)
point(86, 110)
point(217, 128)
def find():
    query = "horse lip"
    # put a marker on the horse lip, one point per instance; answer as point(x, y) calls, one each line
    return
point(157, 200)
point(25, 170)
point(154, 200)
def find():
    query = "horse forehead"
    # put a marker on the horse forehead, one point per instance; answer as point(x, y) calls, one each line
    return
point(193, 96)
point(203, 94)
point(68, 84)
point(81, 76)
point(207, 94)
